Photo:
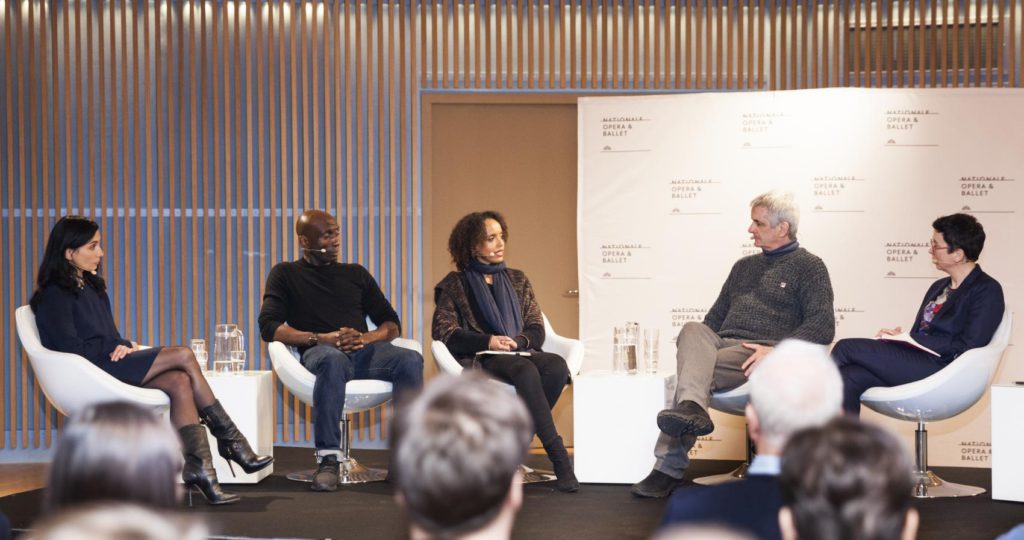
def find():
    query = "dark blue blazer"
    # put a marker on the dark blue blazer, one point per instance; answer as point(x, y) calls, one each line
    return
point(967, 320)
point(750, 505)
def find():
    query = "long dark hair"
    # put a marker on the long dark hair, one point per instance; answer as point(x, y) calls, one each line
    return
point(469, 232)
point(115, 451)
point(70, 232)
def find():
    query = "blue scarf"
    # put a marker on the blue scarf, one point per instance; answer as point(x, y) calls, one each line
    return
point(501, 310)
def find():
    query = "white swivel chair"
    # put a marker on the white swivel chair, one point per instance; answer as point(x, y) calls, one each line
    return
point(360, 395)
point(71, 382)
point(569, 349)
point(732, 402)
point(945, 394)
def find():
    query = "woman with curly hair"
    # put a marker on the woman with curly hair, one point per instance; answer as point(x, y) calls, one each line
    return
point(486, 306)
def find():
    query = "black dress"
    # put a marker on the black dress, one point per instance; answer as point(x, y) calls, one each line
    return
point(81, 322)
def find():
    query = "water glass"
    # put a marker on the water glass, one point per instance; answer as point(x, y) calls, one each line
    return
point(202, 359)
point(197, 345)
point(651, 350)
point(237, 361)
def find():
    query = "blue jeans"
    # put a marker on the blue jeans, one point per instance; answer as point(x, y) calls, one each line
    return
point(334, 368)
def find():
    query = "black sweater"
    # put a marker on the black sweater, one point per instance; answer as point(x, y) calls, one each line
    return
point(322, 299)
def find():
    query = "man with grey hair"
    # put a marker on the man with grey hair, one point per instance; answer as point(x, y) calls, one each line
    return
point(782, 292)
point(796, 386)
point(458, 447)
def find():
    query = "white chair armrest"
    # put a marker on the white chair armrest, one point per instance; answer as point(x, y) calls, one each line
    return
point(569, 349)
point(445, 361)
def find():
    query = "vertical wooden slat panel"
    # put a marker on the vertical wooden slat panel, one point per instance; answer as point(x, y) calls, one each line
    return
point(33, 116)
point(7, 403)
point(23, 220)
point(991, 45)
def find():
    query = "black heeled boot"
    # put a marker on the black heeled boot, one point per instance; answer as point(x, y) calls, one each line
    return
point(565, 478)
point(198, 471)
point(231, 444)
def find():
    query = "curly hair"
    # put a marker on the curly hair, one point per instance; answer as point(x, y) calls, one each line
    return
point(469, 232)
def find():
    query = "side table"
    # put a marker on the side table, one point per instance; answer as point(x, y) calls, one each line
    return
point(247, 396)
point(614, 424)
point(1007, 442)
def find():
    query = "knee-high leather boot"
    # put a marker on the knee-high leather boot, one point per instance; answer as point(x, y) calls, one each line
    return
point(231, 444)
point(198, 471)
point(565, 477)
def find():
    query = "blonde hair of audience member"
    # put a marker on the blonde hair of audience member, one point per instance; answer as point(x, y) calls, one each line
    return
point(796, 386)
point(115, 451)
point(458, 447)
point(701, 532)
point(118, 521)
point(781, 207)
point(847, 481)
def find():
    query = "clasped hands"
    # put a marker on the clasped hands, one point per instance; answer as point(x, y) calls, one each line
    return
point(502, 343)
point(346, 339)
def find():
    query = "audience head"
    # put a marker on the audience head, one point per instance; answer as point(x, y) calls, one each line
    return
point(115, 451)
point(781, 207)
point(962, 231)
point(470, 232)
point(117, 521)
point(458, 449)
point(68, 235)
point(796, 386)
point(846, 480)
point(701, 532)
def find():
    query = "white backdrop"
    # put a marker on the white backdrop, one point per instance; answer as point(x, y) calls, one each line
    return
point(665, 184)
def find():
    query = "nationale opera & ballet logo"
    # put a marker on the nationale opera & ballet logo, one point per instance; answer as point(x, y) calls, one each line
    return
point(683, 314)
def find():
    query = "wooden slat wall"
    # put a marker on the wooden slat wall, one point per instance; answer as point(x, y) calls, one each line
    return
point(195, 131)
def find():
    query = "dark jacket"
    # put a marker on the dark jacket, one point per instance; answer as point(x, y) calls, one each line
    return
point(459, 324)
point(750, 505)
point(967, 320)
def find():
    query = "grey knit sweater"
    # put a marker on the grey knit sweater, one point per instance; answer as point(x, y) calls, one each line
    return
point(773, 298)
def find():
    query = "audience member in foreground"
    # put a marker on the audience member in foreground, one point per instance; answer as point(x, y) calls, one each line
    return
point(796, 386)
point(782, 292)
point(458, 448)
point(847, 480)
point(485, 311)
point(701, 532)
point(115, 452)
point(958, 313)
point(320, 306)
point(74, 316)
point(117, 522)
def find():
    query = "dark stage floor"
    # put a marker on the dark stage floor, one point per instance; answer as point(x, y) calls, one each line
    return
point(279, 508)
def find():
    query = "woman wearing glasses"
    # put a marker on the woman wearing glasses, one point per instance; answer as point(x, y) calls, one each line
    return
point(958, 313)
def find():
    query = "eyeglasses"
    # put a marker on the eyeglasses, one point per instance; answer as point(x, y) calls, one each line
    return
point(934, 246)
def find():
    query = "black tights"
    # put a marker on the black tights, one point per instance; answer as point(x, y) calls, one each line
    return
point(176, 373)
point(538, 379)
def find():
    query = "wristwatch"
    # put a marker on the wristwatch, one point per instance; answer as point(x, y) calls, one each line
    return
point(313, 340)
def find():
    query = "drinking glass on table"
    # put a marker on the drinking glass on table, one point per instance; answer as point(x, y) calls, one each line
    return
point(237, 361)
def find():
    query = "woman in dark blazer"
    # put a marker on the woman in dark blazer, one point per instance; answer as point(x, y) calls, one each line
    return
point(73, 315)
point(485, 306)
point(958, 313)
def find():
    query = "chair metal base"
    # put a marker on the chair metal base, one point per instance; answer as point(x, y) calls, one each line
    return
point(736, 474)
point(533, 476)
point(930, 486)
point(349, 472)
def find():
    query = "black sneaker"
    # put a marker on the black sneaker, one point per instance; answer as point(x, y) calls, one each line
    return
point(326, 477)
point(657, 485)
point(685, 418)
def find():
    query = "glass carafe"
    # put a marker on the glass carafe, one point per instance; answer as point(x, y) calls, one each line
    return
point(226, 339)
